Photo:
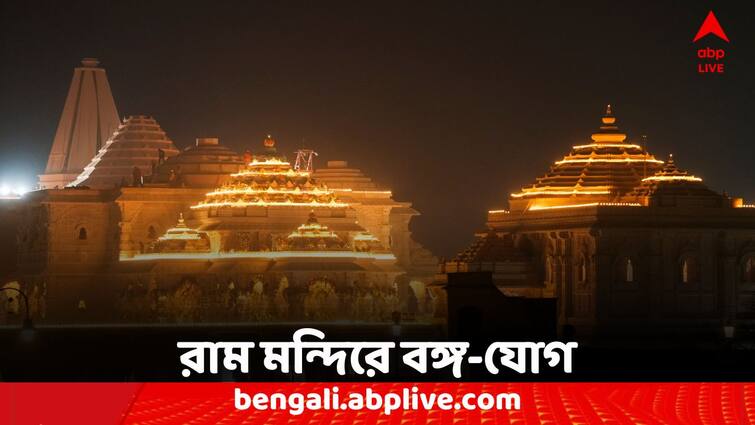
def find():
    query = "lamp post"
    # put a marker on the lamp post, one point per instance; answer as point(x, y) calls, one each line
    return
point(28, 324)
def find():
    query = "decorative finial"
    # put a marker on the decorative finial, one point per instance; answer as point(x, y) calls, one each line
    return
point(609, 121)
point(181, 218)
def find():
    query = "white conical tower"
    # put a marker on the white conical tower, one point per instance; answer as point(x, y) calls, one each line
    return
point(89, 118)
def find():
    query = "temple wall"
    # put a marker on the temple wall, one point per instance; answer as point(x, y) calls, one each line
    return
point(146, 213)
point(587, 271)
point(375, 218)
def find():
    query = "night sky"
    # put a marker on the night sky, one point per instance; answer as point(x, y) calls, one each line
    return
point(451, 107)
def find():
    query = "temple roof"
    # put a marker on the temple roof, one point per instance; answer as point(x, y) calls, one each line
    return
point(673, 182)
point(338, 175)
point(181, 238)
point(137, 143)
point(181, 232)
point(269, 180)
point(603, 170)
point(207, 163)
point(491, 248)
point(314, 236)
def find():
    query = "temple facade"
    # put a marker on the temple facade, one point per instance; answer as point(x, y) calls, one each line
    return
point(625, 243)
point(148, 234)
point(128, 229)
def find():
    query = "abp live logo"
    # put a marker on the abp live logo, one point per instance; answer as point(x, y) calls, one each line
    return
point(710, 60)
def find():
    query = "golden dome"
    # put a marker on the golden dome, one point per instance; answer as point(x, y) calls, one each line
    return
point(601, 171)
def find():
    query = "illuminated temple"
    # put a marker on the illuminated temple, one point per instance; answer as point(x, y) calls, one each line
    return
point(149, 234)
point(623, 241)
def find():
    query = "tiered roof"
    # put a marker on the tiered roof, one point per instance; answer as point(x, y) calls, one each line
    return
point(205, 164)
point(268, 179)
point(181, 238)
point(338, 175)
point(136, 143)
point(314, 236)
point(671, 183)
point(603, 170)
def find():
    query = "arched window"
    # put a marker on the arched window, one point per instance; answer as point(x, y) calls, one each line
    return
point(748, 271)
point(82, 236)
point(690, 270)
point(629, 271)
point(151, 233)
point(582, 270)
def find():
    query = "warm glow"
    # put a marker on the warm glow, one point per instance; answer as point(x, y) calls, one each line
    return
point(264, 255)
point(382, 192)
point(597, 190)
point(314, 230)
point(289, 172)
point(269, 161)
point(179, 234)
point(250, 191)
point(498, 212)
point(592, 204)
point(608, 145)
point(261, 203)
point(672, 178)
point(365, 237)
point(607, 160)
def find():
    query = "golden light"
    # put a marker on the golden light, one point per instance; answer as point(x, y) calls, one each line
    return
point(250, 191)
point(607, 160)
point(263, 255)
point(261, 203)
point(179, 234)
point(607, 145)
point(661, 178)
point(313, 230)
point(549, 190)
point(591, 204)
point(365, 237)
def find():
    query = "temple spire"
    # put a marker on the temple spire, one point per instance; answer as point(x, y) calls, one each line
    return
point(609, 131)
point(89, 118)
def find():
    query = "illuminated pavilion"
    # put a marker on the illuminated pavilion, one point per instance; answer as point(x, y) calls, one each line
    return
point(623, 241)
point(301, 248)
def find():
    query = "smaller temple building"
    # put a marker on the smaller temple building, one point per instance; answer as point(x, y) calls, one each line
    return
point(624, 242)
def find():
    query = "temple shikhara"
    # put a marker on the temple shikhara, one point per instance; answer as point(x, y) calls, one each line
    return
point(621, 240)
point(89, 118)
point(141, 232)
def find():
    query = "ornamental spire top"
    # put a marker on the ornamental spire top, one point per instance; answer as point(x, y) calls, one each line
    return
point(609, 132)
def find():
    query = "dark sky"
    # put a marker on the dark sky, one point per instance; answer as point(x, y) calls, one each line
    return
point(453, 107)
